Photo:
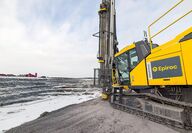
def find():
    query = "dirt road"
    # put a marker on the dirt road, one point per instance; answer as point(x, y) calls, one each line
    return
point(94, 116)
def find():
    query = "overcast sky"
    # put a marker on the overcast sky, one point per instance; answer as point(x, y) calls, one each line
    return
point(53, 37)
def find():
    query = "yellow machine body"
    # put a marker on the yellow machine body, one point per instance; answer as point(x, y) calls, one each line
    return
point(169, 64)
point(104, 96)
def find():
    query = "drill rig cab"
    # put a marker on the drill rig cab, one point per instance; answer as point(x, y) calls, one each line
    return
point(145, 78)
point(143, 66)
point(163, 70)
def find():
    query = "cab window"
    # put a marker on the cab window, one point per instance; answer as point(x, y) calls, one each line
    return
point(122, 66)
point(133, 58)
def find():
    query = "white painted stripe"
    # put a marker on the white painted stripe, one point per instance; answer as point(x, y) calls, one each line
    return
point(149, 71)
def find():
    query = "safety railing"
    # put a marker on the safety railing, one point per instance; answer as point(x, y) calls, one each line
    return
point(149, 27)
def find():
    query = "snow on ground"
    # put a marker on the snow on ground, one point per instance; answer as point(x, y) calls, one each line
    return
point(17, 114)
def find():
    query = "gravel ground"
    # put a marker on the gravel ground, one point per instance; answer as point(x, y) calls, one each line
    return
point(93, 116)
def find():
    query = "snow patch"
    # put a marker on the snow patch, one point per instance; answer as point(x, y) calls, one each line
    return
point(17, 114)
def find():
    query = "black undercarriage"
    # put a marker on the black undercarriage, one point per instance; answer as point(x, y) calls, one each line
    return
point(162, 105)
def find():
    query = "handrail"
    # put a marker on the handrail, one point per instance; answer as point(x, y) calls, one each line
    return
point(172, 23)
point(149, 27)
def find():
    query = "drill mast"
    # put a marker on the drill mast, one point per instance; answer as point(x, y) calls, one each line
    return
point(107, 42)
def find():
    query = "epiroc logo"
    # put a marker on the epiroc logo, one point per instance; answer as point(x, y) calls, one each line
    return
point(164, 68)
point(155, 69)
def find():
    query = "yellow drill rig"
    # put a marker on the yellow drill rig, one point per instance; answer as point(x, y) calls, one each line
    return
point(145, 78)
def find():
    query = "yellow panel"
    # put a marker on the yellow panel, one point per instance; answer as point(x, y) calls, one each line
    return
point(125, 87)
point(103, 9)
point(104, 96)
point(101, 61)
point(171, 46)
point(181, 80)
point(138, 75)
point(187, 59)
point(125, 49)
point(167, 48)
point(171, 49)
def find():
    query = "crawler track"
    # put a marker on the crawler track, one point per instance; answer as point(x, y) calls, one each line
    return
point(187, 118)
